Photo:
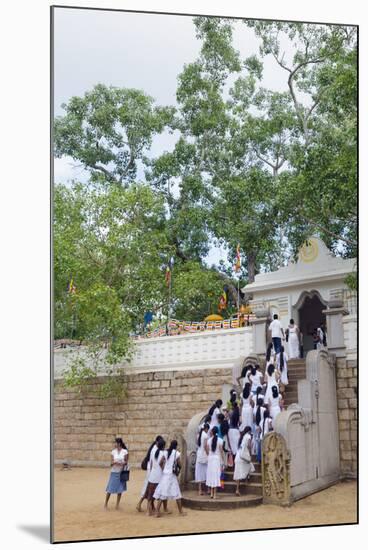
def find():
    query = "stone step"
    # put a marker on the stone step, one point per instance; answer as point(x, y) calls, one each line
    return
point(192, 500)
point(249, 487)
point(256, 476)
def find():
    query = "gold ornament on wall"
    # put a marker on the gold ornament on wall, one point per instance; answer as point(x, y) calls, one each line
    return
point(309, 251)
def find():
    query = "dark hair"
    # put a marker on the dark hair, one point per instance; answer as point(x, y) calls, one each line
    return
point(258, 412)
point(253, 370)
point(246, 430)
point(217, 404)
point(220, 417)
point(246, 390)
point(291, 322)
point(282, 358)
point(214, 438)
point(257, 366)
point(259, 390)
point(160, 447)
point(275, 391)
point(275, 316)
point(224, 425)
point(232, 396)
point(120, 442)
point(235, 415)
point(268, 352)
point(173, 446)
point(205, 426)
point(270, 370)
point(244, 371)
point(207, 418)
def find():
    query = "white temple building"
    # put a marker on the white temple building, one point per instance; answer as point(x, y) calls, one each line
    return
point(305, 289)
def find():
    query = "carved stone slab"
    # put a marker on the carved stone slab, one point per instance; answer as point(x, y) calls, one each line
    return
point(275, 470)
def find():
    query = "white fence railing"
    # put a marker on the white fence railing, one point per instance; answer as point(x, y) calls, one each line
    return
point(218, 349)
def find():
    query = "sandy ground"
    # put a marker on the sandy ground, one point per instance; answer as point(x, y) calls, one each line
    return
point(79, 513)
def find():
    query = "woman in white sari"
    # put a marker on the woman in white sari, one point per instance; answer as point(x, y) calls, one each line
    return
point(293, 338)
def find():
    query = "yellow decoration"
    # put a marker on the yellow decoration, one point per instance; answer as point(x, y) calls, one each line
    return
point(245, 310)
point(213, 317)
point(309, 251)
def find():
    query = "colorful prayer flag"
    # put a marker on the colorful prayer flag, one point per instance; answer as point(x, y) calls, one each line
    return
point(71, 288)
point(223, 301)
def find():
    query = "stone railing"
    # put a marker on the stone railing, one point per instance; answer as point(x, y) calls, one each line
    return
point(219, 349)
point(350, 325)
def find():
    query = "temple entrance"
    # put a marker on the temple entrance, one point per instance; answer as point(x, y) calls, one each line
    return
point(309, 307)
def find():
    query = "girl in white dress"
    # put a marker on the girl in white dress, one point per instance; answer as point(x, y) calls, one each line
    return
point(247, 408)
point(243, 378)
point(258, 417)
point(119, 458)
point(272, 380)
point(255, 378)
point(243, 464)
point(281, 363)
point(270, 355)
point(154, 478)
point(152, 449)
point(265, 426)
point(216, 460)
point(275, 403)
point(234, 434)
point(214, 411)
point(202, 458)
point(293, 338)
point(168, 487)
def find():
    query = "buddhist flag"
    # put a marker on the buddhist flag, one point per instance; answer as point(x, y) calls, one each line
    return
point(238, 259)
point(223, 301)
point(71, 288)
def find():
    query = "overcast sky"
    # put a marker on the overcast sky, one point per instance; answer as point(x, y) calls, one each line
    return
point(134, 50)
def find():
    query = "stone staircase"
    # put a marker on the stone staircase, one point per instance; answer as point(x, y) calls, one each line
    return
point(250, 491)
point(296, 371)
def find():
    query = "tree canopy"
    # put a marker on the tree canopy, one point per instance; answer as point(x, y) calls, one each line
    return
point(252, 166)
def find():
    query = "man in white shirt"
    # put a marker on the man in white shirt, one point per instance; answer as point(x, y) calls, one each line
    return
point(277, 332)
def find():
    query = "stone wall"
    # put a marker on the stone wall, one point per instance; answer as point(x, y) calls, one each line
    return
point(157, 403)
point(346, 384)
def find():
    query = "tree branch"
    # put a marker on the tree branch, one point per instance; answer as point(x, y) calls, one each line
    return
point(327, 231)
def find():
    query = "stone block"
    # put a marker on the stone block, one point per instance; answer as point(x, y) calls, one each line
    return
point(342, 383)
point(345, 436)
point(342, 403)
point(343, 373)
point(346, 393)
point(344, 425)
point(353, 403)
point(346, 455)
point(346, 414)
point(165, 383)
point(352, 382)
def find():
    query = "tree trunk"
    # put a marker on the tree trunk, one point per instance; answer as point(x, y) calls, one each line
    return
point(251, 267)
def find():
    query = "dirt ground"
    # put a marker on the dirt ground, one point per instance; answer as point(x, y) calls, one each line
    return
point(79, 512)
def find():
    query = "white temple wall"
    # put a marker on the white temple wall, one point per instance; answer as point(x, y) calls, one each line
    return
point(222, 348)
